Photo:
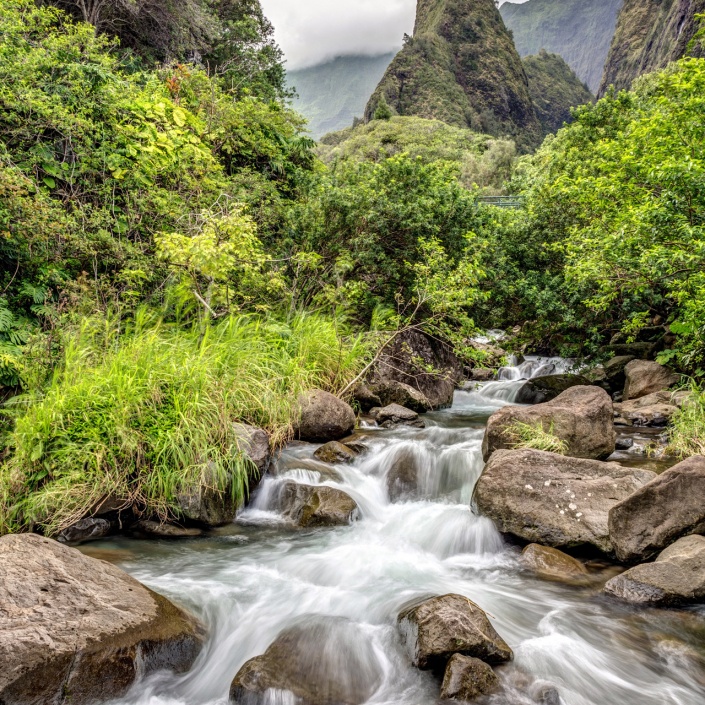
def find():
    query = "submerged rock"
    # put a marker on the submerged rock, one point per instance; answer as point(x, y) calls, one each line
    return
point(554, 500)
point(334, 452)
point(75, 629)
point(676, 577)
point(670, 506)
point(551, 564)
point(644, 377)
point(324, 661)
point(403, 476)
point(395, 415)
point(542, 389)
point(582, 417)
point(309, 506)
point(467, 678)
point(323, 417)
point(437, 628)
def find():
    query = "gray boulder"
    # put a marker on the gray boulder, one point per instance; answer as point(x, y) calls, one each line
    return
point(542, 389)
point(395, 392)
point(467, 678)
point(395, 415)
point(323, 417)
point(552, 499)
point(644, 377)
point(670, 506)
point(580, 416)
point(309, 506)
point(74, 625)
point(334, 452)
point(435, 629)
point(87, 529)
point(254, 443)
point(366, 399)
point(323, 661)
point(676, 577)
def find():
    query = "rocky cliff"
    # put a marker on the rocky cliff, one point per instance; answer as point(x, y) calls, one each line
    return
point(578, 30)
point(461, 67)
point(649, 35)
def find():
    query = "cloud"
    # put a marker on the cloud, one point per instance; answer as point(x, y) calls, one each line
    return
point(313, 31)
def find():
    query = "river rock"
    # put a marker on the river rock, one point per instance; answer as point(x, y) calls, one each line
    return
point(161, 530)
point(551, 564)
point(437, 628)
point(482, 374)
point(395, 392)
point(552, 499)
point(323, 417)
point(580, 416)
point(467, 678)
point(254, 443)
point(676, 577)
point(324, 661)
point(670, 506)
point(653, 410)
point(79, 630)
point(309, 506)
point(402, 476)
point(87, 529)
point(542, 389)
point(644, 377)
point(395, 415)
point(424, 363)
point(334, 452)
point(366, 399)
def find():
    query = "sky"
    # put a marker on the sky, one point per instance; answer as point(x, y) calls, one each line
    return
point(313, 31)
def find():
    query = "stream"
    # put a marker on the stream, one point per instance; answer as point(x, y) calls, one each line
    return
point(249, 581)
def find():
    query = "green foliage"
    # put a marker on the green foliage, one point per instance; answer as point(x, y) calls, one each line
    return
point(535, 437)
point(382, 111)
point(143, 415)
point(687, 432)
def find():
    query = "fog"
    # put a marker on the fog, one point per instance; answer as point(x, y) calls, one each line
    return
point(313, 31)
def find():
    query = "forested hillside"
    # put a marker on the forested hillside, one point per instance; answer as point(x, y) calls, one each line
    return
point(579, 31)
point(333, 94)
point(650, 34)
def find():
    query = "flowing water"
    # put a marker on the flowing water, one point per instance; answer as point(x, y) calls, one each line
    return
point(259, 576)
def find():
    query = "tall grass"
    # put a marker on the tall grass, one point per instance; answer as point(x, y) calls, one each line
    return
point(687, 434)
point(140, 416)
point(536, 437)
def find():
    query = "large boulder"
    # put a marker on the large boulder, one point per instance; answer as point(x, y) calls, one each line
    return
point(323, 417)
point(644, 377)
point(654, 410)
point(467, 678)
point(582, 417)
point(324, 661)
point(676, 577)
point(309, 506)
point(394, 392)
point(395, 415)
point(79, 630)
point(424, 363)
point(435, 629)
point(552, 499)
point(203, 504)
point(539, 390)
point(670, 506)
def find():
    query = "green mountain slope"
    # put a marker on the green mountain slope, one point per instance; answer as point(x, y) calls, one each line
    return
point(555, 89)
point(579, 30)
point(461, 67)
point(330, 95)
point(649, 34)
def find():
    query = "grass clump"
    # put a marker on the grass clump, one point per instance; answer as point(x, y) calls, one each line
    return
point(141, 416)
point(536, 437)
point(687, 434)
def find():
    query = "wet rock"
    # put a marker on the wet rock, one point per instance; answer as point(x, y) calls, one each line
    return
point(580, 416)
point(402, 477)
point(482, 374)
point(676, 577)
point(86, 530)
point(542, 389)
point(323, 417)
point(334, 452)
point(254, 443)
point(73, 625)
point(161, 530)
point(467, 678)
point(321, 662)
point(309, 506)
point(551, 564)
point(366, 399)
point(424, 363)
point(644, 377)
point(357, 448)
point(552, 499)
point(395, 415)
point(654, 410)
point(624, 443)
point(670, 506)
point(395, 392)
point(436, 629)
point(546, 694)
